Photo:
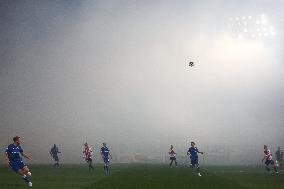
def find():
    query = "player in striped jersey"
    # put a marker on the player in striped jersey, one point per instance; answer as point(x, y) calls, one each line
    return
point(172, 154)
point(269, 160)
point(87, 154)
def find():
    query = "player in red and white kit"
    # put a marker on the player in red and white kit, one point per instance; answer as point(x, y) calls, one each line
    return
point(172, 154)
point(269, 160)
point(87, 155)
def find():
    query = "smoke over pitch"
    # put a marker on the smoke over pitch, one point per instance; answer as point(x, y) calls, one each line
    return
point(116, 71)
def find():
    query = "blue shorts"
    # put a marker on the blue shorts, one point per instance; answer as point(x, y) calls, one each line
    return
point(106, 159)
point(17, 165)
point(194, 162)
point(55, 157)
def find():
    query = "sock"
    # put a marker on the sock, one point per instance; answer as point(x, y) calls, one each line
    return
point(107, 169)
point(29, 174)
point(25, 178)
point(91, 167)
point(198, 169)
point(275, 169)
point(267, 168)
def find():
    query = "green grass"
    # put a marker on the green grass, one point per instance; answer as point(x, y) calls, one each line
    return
point(143, 176)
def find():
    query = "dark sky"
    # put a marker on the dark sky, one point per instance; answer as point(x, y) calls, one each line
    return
point(116, 71)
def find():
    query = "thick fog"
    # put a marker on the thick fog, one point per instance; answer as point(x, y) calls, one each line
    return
point(116, 71)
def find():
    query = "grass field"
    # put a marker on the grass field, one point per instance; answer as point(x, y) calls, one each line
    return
point(143, 176)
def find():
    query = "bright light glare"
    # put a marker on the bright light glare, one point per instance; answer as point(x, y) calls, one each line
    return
point(244, 27)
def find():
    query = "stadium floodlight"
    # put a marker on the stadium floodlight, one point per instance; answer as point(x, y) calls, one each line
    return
point(251, 27)
point(263, 21)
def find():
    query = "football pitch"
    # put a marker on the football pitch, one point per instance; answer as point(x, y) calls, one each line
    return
point(143, 176)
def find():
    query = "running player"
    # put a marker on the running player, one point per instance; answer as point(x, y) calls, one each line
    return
point(54, 154)
point(13, 155)
point(87, 154)
point(279, 157)
point(193, 154)
point(172, 154)
point(269, 160)
point(105, 153)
